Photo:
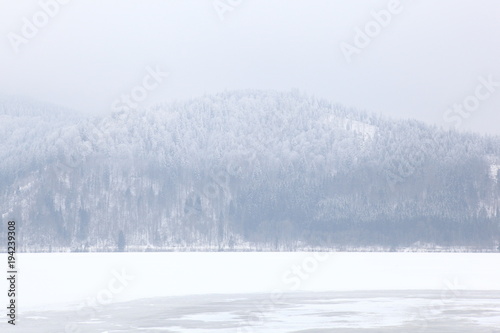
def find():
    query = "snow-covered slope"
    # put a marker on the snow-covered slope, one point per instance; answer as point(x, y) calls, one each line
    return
point(243, 170)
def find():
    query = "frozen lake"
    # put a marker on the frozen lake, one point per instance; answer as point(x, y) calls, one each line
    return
point(346, 312)
point(256, 292)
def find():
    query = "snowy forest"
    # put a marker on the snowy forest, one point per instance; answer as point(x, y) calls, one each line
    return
point(244, 170)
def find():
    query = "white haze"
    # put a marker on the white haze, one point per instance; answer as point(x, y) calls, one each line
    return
point(91, 52)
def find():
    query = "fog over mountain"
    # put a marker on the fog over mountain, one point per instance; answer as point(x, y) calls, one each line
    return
point(243, 170)
point(422, 58)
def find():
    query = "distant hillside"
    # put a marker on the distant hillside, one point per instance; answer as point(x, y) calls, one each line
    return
point(244, 170)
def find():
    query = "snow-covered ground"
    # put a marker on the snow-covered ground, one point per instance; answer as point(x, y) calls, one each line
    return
point(85, 283)
point(345, 312)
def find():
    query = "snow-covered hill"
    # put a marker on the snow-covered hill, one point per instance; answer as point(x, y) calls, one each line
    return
point(243, 170)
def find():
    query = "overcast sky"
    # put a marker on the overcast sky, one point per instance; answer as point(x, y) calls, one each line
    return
point(430, 56)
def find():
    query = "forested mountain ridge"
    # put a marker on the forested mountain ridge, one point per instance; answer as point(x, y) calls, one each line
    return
point(243, 170)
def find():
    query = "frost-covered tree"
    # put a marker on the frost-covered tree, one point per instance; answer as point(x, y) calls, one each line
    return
point(244, 169)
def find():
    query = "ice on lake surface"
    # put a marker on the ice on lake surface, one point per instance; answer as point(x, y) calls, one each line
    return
point(230, 292)
point(306, 312)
